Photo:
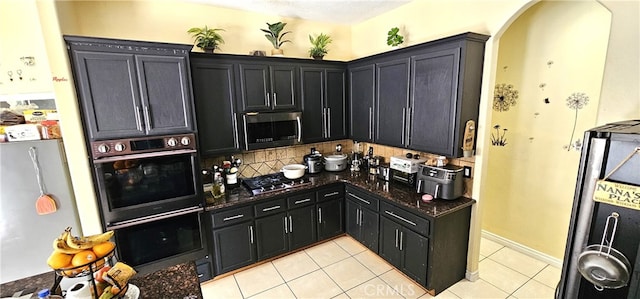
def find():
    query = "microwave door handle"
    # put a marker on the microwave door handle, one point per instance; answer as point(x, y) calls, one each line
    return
point(246, 139)
point(299, 128)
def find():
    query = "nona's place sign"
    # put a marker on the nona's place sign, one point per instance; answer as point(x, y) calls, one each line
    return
point(622, 195)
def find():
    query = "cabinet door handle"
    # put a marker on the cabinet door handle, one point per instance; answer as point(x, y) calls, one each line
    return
point(233, 217)
point(290, 224)
point(138, 121)
point(147, 117)
point(251, 233)
point(328, 122)
point(302, 201)
point(200, 275)
point(286, 231)
point(331, 194)
point(404, 124)
point(319, 215)
point(360, 199)
point(266, 95)
point(370, 123)
point(360, 217)
point(357, 216)
point(324, 122)
point(270, 208)
point(246, 138)
point(408, 126)
point(401, 236)
point(275, 99)
point(236, 142)
point(396, 238)
point(299, 129)
point(400, 218)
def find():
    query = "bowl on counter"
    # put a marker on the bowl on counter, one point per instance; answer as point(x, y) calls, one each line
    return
point(335, 162)
point(293, 171)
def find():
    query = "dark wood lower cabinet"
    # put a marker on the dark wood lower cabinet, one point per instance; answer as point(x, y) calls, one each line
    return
point(362, 225)
point(271, 237)
point(234, 247)
point(302, 227)
point(405, 249)
point(330, 218)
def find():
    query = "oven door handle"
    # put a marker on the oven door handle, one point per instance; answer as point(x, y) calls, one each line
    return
point(144, 155)
point(141, 220)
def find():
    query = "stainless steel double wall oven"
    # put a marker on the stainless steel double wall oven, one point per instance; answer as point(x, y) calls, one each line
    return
point(148, 192)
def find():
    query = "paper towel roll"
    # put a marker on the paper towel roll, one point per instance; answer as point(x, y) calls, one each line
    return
point(81, 290)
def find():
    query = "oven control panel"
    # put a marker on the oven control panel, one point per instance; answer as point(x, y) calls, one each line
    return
point(129, 146)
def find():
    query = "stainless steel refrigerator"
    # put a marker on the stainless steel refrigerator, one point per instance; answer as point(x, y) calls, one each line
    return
point(602, 257)
point(25, 236)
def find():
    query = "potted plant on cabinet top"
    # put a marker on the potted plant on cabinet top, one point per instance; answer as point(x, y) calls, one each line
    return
point(394, 38)
point(275, 37)
point(319, 44)
point(206, 39)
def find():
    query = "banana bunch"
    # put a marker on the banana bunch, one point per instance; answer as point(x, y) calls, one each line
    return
point(68, 244)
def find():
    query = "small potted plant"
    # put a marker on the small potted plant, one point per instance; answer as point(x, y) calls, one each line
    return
point(394, 38)
point(206, 39)
point(275, 36)
point(319, 44)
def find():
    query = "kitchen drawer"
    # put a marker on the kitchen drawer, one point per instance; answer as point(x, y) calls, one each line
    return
point(407, 219)
point(232, 216)
point(270, 207)
point(335, 191)
point(301, 200)
point(362, 198)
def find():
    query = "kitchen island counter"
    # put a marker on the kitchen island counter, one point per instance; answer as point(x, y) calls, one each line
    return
point(391, 190)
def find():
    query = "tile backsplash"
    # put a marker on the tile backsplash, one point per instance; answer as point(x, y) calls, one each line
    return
point(266, 161)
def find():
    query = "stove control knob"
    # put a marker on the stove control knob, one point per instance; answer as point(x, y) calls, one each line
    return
point(185, 141)
point(103, 148)
point(302, 181)
point(262, 189)
point(120, 147)
point(172, 142)
point(273, 187)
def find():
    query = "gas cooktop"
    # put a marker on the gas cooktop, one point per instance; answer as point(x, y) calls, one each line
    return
point(272, 183)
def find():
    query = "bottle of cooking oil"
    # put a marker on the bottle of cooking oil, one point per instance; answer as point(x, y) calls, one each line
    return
point(218, 185)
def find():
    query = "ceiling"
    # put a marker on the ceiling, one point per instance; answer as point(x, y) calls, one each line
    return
point(331, 11)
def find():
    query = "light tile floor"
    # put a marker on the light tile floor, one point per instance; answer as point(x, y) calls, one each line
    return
point(343, 268)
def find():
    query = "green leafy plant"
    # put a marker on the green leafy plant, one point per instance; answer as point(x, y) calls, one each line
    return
point(274, 34)
point(206, 39)
point(319, 44)
point(394, 38)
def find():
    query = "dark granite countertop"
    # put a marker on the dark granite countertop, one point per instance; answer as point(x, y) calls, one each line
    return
point(396, 192)
point(179, 282)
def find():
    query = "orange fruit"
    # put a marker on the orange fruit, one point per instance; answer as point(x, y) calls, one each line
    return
point(103, 248)
point(83, 257)
point(72, 270)
point(58, 260)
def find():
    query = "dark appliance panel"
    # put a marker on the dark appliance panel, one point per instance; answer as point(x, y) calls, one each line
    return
point(157, 242)
point(604, 148)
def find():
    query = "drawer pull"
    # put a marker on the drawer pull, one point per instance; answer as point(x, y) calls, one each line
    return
point(360, 199)
point(302, 201)
point(233, 217)
point(270, 208)
point(401, 218)
point(200, 275)
point(331, 194)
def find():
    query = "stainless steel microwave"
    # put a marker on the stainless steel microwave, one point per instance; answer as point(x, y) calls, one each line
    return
point(271, 129)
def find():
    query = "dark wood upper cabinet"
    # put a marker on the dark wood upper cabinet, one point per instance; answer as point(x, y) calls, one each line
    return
point(323, 98)
point(361, 102)
point(424, 94)
point(131, 88)
point(214, 96)
point(392, 105)
point(266, 87)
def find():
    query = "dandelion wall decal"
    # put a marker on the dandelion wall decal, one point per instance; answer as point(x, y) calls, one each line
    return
point(499, 139)
point(504, 96)
point(576, 101)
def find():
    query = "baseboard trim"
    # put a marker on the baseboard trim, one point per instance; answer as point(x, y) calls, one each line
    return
point(472, 276)
point(523, 249)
